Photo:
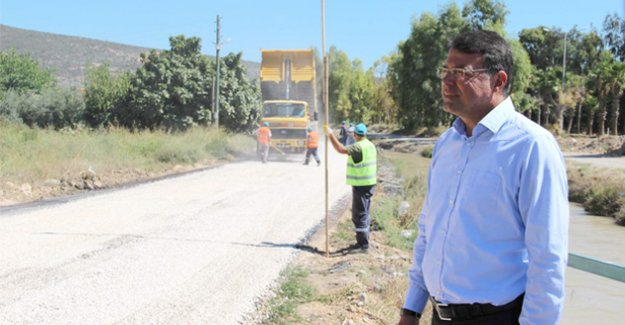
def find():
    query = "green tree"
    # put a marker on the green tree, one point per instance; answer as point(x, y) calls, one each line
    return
point(480, 14)
point(239, 99)
point(361, 93)
point(351, 89)
point(21, 73)
point(414, 82)
point(602, 79)
point(572, 99)
point(339, 84)
point(172, 89)
point(614, 30)
point(385, 109)
point(104, 94)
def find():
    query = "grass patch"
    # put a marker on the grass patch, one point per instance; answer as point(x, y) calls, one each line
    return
point(396, 215)
point(344, 231)
point(294, 291)
point(71, 151)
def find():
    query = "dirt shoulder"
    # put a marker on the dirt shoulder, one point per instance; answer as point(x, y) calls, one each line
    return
point(17, 192)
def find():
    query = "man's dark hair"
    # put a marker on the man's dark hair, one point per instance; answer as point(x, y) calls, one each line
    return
point(495, 50)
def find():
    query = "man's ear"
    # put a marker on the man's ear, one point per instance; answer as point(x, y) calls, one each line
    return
point(501, 81)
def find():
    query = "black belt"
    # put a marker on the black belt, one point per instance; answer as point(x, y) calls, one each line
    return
point(451, 312)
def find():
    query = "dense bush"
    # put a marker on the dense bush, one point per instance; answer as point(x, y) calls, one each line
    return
point(50, 108)
point(604, 200)
point(600, 192)
point(427, 152)
point(104, 95)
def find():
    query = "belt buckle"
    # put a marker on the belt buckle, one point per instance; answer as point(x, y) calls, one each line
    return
point(438, 311)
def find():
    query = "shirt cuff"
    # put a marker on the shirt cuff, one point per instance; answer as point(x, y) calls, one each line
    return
point(416, 299)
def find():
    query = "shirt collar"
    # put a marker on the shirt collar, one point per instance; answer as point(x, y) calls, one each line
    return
point(493, 121)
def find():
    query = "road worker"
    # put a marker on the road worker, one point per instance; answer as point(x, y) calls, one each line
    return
point(264, 141)
point(312, 143)
point(362, 176)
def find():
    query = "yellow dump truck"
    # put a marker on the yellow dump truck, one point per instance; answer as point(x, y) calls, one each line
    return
point(288, 88)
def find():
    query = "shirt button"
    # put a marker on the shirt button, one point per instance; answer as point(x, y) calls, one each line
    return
point(451, 202)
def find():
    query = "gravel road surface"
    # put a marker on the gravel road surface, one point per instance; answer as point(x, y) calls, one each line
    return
point(194, 249)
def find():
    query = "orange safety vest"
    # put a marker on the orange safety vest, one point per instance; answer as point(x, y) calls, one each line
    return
point(263, 134)
point(313, 140)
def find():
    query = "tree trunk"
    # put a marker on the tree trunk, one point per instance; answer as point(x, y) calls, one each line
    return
point(579, 117)
point(546, 115)
point(540, 109)
point(591, 120)
point(569, 125)
point(559, 114)
point(603, 112)
point(615, 112)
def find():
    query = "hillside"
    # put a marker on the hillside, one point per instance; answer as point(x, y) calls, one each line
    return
point(69, 56)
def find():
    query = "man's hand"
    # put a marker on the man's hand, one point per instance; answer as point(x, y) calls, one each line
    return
point(326, 129)
point(408, 320)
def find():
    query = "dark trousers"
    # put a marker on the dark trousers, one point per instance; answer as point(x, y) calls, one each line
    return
point(506, 317)
point(361, 202)
point(312, 152)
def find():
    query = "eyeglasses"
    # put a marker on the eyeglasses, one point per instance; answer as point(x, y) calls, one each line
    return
point(457, 73)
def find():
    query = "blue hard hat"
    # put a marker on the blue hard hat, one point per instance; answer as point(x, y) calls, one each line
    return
point(343, 122)
point(360, 129)
point(266, 123)
point(309, 128)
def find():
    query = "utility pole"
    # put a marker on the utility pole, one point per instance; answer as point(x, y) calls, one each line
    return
point(216, 92)
point(326, 117)
point(564, 62)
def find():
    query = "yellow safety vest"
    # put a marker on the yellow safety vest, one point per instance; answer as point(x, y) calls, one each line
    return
point(363, 173)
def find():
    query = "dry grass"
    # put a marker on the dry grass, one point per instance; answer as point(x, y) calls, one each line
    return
point(36, 163)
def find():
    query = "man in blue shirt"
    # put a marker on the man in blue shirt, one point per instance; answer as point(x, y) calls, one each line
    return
point(492, 244)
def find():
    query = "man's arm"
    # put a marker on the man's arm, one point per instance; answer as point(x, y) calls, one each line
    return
point(335, 142)
point(417, 294)
point(544, 207)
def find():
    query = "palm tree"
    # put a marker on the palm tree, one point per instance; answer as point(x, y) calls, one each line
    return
point(617, 83)
point(571, 99)
point(603, 87)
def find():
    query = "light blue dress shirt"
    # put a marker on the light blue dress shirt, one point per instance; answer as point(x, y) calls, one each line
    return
point(494, 222)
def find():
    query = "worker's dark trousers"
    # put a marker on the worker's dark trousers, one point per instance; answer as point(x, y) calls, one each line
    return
point(312, 152)
point(361, 202)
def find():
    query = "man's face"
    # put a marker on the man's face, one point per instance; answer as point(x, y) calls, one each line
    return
point(467, 95)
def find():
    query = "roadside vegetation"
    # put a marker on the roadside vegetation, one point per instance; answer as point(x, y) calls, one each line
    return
point(36, 163)
point(600, 191)
point(361, 288)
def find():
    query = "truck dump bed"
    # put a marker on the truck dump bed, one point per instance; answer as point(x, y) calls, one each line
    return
point(289, 75)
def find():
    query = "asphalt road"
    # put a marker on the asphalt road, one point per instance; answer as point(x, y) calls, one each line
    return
point(195, 249)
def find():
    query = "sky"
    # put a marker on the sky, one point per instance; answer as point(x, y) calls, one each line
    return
point(364, 29)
